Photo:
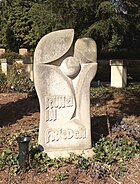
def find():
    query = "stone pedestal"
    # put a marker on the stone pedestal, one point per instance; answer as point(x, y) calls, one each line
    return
point(2, 51)
point(118, 73)
point(23, 51)
point(62, 75)
point(4, 66)
point(19, 61)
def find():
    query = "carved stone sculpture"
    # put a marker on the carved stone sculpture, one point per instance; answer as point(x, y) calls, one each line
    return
point(62, 75)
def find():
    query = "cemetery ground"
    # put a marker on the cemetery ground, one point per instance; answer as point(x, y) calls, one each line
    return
point(115, 118)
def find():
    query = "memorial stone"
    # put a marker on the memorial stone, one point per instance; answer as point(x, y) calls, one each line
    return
point(23, 51)
point(62, 75)
point(118, 73)
point(2, 51)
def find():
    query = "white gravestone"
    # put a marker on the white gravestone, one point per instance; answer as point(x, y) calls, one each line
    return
point(118, 73)
point(62, 76)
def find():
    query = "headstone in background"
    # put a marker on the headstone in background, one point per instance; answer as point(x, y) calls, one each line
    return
point(4, 66)
point(118, 73)
point(27, 61)
point(62, 76)
point(2, 51)
point(23, 51)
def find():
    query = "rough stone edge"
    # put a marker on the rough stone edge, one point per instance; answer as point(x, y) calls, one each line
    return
point(66, 154)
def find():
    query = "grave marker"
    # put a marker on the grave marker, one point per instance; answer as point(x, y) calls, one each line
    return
point(2, 51)
point(62, 75)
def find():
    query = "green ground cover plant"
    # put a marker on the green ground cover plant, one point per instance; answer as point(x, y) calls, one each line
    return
point(109, 156)
point(2, 81)
point(105, 92)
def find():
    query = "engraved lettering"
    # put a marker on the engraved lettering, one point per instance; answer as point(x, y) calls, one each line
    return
point(53, 103)
point(77, 135)
point(56, 101)
point(70, 134)
point(69, 102)
point(64, 134)
point(63, 101)
point(47, 115)
point(84, 133)
point(49, 136)
point(50, 103)
point(57, 135)
point(46, 103)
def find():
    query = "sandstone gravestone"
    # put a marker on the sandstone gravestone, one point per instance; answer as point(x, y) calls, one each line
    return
point(2, 51)
point(62, 76)
point(23, 51)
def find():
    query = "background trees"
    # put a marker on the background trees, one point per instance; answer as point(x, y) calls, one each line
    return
point(114, 24)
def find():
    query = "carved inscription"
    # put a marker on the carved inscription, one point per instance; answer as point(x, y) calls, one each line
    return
point(53, 103)
point(64, 134)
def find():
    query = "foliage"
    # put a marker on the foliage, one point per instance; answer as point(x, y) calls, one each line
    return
point(101, 92)
point(119, 54)
point(28, 21)
point(40, 161)
point(108, 150)
point(15, 24)
point(54, 15)
point(60, 176)
point(2, 81)
point(18, 80)
point(110, 27)
point(109, 92)
point(78, 160)
point(114, 43)
point(133, 70)
point(109, 157)
point(11, 55)
point(113, 24)
point(45, 22)
point(131, 90)
point(9, 159)
point(131, 9)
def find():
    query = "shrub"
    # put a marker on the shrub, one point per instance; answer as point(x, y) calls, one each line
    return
point(101, 92)
point(2, 81)
point(18, 79)
point(11, 55)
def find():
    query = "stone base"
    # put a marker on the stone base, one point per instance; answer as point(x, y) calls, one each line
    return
point(65, 154)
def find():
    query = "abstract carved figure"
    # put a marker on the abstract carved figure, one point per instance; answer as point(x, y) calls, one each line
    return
point(62, 75)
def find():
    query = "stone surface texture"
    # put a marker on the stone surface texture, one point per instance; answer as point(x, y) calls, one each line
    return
point(62, 75)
